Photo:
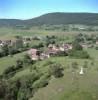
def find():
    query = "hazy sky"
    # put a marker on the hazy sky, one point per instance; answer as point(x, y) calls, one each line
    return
point(25, 9)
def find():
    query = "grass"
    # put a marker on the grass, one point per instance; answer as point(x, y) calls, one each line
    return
point(61, 89)
point(8, 33)
point(93, 53)
point(75, 87)
point(81, 88)
point(70, 86)
point(5, 62)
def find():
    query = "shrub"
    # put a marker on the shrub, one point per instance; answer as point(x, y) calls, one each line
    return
point(76, 46)
point(49, 62)
point(79, 54)
point(27, 60)
point(9, 70)
point(40, 45)
point(96, 47)
point(62, 53)
point(42, 82)
point(56, 70)
point(19, 64)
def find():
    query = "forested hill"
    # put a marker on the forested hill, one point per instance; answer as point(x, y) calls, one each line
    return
point(54, 19)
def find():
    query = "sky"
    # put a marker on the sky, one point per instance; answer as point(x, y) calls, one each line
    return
point(26, 9)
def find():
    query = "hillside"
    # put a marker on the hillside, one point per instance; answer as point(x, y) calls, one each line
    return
point(66, 18)
point(10, 22)
point(54, 19)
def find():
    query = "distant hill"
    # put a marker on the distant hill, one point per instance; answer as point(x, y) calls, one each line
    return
point(54, 19)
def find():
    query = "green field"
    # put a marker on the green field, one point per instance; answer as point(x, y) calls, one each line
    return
point(70, 86)
point(7, 61)
point(67, 88)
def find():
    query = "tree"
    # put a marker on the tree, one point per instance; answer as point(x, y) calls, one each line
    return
point(25, 90)
point(80, 38)
point(79, 54)
point(56, 70)
point(27, 59)
point(2, 89)
point(50, 40)
point(76, 45)
point(40, 45)
point(42, 82)
point(9, 70)
point(19, 64)
point(1, 53)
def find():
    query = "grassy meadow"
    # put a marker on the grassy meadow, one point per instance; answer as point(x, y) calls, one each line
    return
point(72, 86)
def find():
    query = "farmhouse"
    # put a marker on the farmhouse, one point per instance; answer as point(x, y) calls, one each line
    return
point(44, 55)
point(34, 54)
point(1, 43)
point(85, 46)
point(67, 46)
point(53, 49)
point(97, 42)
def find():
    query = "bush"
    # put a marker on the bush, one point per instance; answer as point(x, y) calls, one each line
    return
point(49, 62)
point(76, 46)
point(78, 54)
point(56, 70)
point(9, 70)
point(40, 45)
point(26, 90)
point(19, 64)
point(27, 60)
point(62, 53)
point(42, 82)
point(96, 47)
point(2, 90)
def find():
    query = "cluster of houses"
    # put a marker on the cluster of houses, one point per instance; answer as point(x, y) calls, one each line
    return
point(51, 51)
point(54, 50)
point(35, 54)
point(89, 45)
point(16, 43)
point(3, 42)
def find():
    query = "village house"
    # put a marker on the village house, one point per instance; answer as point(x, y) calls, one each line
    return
point(1, 43)
point(37, 55)
point(53, 49)
point(44, 55)
point(85, 46)
point(14, 42)
point(5, 42)
point(67, 46)
point(27, 38)
point(97, 42)
point(34, 54)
